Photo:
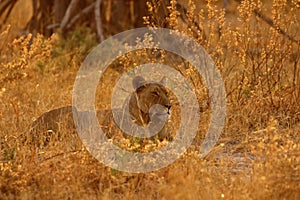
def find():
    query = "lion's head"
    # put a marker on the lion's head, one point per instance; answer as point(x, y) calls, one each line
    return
point(150, 101)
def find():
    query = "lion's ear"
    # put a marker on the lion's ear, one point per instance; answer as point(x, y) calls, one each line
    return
point(138, 81)
point(163, 81)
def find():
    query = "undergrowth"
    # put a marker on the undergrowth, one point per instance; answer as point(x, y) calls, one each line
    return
point(259, 64)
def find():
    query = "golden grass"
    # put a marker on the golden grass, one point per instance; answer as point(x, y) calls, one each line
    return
point(257, 156)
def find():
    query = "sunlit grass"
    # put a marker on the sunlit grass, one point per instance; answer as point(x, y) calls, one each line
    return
point(257, 156)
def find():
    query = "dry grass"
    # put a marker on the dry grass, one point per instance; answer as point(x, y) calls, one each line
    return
point(257, 156)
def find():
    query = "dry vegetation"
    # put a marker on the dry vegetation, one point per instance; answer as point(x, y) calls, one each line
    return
point(257, 156)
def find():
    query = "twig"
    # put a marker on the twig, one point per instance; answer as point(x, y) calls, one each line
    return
point(12, 5)
point(52, 26)
point(68, 13)
point(5, 5)
point(63, 154)
point(98, 20)
point(83, 12)
point(185, 19)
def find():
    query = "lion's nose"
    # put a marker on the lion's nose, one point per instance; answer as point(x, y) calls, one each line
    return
point(169, 107)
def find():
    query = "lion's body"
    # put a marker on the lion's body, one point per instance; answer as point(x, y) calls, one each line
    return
point(60, 121)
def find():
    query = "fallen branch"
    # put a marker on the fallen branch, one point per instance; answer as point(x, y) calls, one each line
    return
point(275, 26)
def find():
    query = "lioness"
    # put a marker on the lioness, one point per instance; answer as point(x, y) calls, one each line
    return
point(146, 95)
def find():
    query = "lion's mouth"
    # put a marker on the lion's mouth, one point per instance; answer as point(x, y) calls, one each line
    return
point(163, 116)
point(160, 112)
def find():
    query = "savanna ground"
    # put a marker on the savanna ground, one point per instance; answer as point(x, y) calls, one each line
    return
point(260, 67)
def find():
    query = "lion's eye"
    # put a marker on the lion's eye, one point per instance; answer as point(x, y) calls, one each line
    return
point(155, 93)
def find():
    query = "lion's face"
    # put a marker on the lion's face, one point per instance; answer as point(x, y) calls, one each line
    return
point(149, 100)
